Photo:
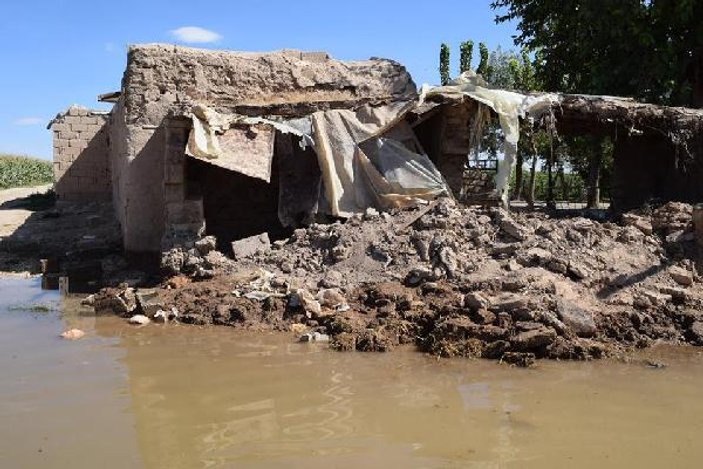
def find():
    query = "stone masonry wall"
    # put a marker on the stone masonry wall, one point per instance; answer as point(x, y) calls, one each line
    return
point(81, 158)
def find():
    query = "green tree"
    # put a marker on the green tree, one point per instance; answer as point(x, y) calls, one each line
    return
point(483, 66)
point(649, 49)
point(466, 52)
point(444, 64)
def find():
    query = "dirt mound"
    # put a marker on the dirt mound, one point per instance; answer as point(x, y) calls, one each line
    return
point(467, 281)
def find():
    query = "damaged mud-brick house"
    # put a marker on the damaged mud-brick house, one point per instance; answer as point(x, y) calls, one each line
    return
point(236, 144)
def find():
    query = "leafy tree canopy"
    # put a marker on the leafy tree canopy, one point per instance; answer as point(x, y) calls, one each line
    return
point(650, 49)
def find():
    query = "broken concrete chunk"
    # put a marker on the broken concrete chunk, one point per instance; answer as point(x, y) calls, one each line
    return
point(578, 319)
point(681, 276)
point(253, 245)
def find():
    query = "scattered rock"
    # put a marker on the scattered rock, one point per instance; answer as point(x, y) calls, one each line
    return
point(576, 318)
point(696, 333)
point(332, 279)
point(72, 334)
point(206, 245)
point(314, 337)
point(88, 300)
point(476, 301)
point(139, 319)
point(308, 302)
point(331, 297)
point(418, 275)
point(672, 216)
point(371, 214)
point(251, 246)
point(535, 339)
point(642, 224)
point(681, 276)
point(521, 359)
point(513, 229)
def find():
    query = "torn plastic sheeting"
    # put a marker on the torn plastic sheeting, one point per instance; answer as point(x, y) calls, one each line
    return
point(510, 107)
point(245, 149)
point(396, 175)
point(239, 143)
point(352, 180)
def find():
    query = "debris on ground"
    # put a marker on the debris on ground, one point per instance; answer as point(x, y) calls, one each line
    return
point(456, 281)
point(72, 334)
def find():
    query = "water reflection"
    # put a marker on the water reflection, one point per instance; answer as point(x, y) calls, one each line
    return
point(179, 396)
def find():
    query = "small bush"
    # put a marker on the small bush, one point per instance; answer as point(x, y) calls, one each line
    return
point(21, 171)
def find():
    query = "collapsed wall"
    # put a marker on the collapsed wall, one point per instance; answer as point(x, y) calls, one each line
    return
point(81, 159)
point(163, 83)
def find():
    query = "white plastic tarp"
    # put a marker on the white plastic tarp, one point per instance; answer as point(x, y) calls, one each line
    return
point(510, 107)
point(390, 176)
point(239, 143)
point(385, 174)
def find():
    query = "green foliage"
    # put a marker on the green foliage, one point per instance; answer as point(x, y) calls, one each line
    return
point(466, 51)
point(570, 188)
point(651, 49)
point(19, 171)
point(483, 66)
point(444, 64)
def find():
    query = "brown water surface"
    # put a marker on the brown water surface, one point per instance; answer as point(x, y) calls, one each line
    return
point(183, 397)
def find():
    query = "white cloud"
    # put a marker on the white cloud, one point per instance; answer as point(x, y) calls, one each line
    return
point(195, 35)
point(29, 121)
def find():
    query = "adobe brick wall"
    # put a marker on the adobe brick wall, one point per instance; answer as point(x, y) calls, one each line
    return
point(163, 82)
point(81, 159)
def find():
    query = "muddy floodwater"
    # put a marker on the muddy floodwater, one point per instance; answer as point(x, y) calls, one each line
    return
point(184, 397)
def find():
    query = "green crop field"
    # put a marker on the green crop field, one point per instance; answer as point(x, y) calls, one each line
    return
point(21, 171)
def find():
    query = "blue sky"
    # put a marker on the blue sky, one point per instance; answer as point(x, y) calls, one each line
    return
point(56, 53)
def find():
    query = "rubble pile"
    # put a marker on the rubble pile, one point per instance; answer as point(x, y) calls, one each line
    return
point(459, 281)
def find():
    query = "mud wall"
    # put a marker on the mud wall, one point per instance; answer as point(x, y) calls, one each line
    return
point(163, 82)
point(81, 160)
point(446, 137)
point(652, 168)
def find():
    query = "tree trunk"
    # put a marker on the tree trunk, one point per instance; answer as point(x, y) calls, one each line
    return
point(562, 182)
point(533, 182)
point(550, 176)
point(594, 170)
point(518, 175)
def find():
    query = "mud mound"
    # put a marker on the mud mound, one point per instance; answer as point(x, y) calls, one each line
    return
point(467, 282)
